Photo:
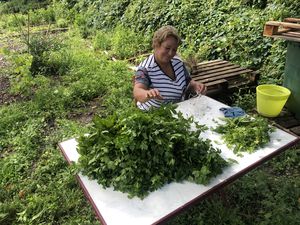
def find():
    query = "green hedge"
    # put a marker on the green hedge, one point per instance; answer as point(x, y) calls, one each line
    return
point(229, 29)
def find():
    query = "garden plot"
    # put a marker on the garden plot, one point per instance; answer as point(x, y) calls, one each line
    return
point(113, 207)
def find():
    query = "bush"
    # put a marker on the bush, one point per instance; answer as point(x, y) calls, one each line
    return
point(102, 40)
point(45, 57)
point(42, 16)
point(126, 43)
point(23, 6)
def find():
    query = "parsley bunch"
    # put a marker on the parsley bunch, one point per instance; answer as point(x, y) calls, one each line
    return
point(245, 134)
point(138, 152)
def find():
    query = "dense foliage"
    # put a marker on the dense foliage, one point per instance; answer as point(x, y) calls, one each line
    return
point(76, 80)
point(230, 29)
point(137, 152)
point(13, 6)
point(245, 134)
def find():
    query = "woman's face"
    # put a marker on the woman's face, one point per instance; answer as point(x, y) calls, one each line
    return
point(166, 51)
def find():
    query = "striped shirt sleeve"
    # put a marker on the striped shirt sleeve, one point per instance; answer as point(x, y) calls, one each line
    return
point(141, 76)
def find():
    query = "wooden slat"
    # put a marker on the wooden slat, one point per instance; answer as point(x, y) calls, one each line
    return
point(215, 70)
point(270, 30)
point(292, 20)
point(283, 24)
point(212, 67)
point(283, 30)
point(292, 34)
point(287, 38)
point(225, 74)
point(212, 64)
point(237, 80)
point(216, 82)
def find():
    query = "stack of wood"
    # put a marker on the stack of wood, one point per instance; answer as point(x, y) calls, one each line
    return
point(289, 29)
point(220, 75)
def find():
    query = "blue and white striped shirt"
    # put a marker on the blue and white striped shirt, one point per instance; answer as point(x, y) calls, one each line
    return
point(150, 74)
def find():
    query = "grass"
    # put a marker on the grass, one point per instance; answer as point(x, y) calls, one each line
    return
point(36, 183)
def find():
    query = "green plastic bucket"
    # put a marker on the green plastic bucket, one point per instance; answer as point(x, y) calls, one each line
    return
point(270, 99)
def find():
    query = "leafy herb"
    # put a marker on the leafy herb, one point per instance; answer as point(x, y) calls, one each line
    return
point(245, 134)
point(137, 152)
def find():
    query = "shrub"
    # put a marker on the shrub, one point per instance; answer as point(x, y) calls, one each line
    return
point(45, 59)
point(126, 43)
point(102, 40)
point(23, 6)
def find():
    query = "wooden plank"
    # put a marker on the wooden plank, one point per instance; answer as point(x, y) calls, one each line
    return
point(212, 64)
point(291, 34)
point(292, 20)
point(216, 82)
point(212, 67)
point(283, 30)
point(283, 24)
point(287, 37)
point(225, 74)
point(229, 77)
point(251, 77)
point(270, 30)
point(217, 70)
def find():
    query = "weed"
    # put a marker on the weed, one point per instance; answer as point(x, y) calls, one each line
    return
point(245, 98)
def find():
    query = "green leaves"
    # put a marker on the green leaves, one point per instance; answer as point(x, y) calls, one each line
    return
point(137, 152)
point(245, 134)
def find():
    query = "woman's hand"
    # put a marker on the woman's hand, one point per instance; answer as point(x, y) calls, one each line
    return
point(198, 87)
point(153, 93)
point(142, 94)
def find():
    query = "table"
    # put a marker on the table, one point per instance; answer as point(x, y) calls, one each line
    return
point(114, 208)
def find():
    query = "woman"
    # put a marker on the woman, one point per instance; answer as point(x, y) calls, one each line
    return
point(162, 77)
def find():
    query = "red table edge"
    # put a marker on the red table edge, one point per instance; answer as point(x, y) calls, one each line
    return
point(198, 198)
point(86, 193)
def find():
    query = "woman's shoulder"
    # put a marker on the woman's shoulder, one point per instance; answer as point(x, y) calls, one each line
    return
point(149, 62)
point(177, 61)
point(177, 58)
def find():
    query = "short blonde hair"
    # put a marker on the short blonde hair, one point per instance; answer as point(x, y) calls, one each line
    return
point(163, 33)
